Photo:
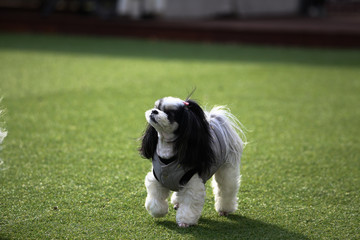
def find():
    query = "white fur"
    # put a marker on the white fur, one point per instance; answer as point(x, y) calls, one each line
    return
point(226, 183)
point(171, 102)
point(189, 201)
point(156, 201)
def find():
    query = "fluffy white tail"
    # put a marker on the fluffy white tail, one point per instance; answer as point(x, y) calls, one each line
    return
point(232, 129)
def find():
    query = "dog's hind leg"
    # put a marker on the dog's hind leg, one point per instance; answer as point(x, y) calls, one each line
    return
point(174, 200)
point(190, 200)
point(226, 183)
point(156, 201)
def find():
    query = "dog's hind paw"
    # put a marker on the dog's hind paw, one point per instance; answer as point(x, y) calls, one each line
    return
point(183, 225)
point(223, 214)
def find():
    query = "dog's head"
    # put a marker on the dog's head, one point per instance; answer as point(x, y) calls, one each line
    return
point(184, 123)
point(166, 115)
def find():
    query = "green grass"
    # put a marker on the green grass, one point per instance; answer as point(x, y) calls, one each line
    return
point(75, 109)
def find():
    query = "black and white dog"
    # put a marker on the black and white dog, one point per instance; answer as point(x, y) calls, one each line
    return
point(187, 146)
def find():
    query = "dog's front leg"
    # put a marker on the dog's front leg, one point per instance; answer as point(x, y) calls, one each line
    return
point(156, 201)
point(191, 200)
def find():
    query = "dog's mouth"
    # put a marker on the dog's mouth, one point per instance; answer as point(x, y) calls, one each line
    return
point(152, 118)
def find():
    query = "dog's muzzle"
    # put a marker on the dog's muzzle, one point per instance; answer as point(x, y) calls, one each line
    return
point(152, 115)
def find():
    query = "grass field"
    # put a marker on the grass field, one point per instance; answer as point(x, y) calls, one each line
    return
point(74, 109)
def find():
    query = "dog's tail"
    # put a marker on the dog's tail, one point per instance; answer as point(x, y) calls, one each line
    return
point(231, 130)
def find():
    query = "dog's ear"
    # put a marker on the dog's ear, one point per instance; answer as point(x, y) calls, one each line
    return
point(194, 139)
point(148, 142)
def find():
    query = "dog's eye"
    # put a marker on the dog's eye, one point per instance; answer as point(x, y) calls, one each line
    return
point(170, 113)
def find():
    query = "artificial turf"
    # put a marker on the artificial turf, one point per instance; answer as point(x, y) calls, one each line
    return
point(74, 109)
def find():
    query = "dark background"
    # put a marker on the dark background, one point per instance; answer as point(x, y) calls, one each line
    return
point(330, 23)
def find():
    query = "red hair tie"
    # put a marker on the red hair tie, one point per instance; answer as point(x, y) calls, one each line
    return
point(186, 103)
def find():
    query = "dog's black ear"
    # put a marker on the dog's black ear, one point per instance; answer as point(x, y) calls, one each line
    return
point(194, 139)
point(148, 142)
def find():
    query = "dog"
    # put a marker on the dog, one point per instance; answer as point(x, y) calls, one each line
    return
point(188, 146)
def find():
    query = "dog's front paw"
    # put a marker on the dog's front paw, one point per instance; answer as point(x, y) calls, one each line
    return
point(183, 225)
point(156, 208)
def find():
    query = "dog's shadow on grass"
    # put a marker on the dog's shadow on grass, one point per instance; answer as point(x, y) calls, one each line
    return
point(235, 227)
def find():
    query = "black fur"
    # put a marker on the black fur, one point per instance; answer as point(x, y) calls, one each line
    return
point(193, 142)
point(148, 142)
point(194, 139)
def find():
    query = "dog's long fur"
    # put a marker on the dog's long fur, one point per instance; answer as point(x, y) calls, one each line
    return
point(182, 129)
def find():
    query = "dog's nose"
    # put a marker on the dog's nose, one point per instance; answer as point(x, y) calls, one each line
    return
point(154, 112)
